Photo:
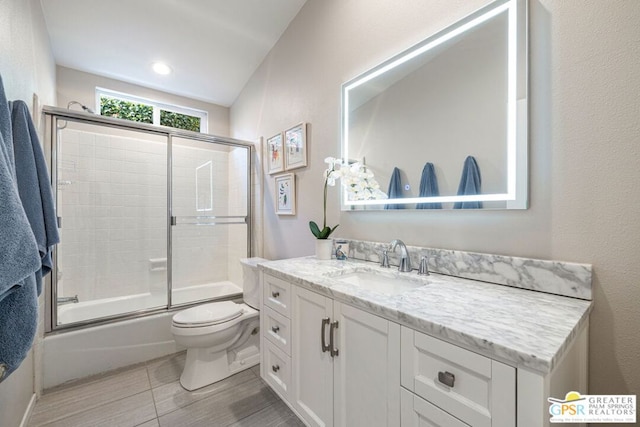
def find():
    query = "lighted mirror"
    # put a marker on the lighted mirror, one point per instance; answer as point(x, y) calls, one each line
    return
point(456, 101)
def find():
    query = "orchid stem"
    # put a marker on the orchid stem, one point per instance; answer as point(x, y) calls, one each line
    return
point(324, 211)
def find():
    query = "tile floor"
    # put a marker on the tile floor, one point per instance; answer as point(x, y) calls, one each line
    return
point(149, 395)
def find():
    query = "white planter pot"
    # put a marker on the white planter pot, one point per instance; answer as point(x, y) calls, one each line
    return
point(324, 247)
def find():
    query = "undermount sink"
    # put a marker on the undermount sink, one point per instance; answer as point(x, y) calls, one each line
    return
point(383, 283)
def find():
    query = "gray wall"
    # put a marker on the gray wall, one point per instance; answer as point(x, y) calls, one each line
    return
point(584, 127)
point(27, 67)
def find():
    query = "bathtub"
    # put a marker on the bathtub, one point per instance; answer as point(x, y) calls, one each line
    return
point(101, 308)
point(80, 353)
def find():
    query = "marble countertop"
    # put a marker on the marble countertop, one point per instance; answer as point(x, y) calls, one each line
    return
point(520, 327)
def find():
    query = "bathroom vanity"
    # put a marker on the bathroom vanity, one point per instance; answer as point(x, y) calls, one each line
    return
point(349, 343)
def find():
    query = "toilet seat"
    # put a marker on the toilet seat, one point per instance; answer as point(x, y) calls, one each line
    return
point(207, 314)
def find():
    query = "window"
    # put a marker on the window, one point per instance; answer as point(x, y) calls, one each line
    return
point(130, 107)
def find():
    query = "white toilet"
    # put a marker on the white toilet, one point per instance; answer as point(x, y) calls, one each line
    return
point(221, 338)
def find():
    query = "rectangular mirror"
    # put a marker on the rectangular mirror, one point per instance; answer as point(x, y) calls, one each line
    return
point(443, 125)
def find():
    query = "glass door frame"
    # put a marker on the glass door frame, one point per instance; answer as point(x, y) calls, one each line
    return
point(52, 117)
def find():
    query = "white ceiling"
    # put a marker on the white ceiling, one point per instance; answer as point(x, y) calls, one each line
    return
point(213, 46)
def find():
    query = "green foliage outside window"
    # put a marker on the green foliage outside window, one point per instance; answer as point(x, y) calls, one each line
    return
point(121, 109)
point(180, 121)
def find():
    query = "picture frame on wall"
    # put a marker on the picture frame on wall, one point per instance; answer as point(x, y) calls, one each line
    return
point(295, 147)
point(275, 153)
point(285, 194)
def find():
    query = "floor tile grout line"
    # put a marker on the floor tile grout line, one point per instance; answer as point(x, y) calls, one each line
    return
point(91, 408)
point(92, 379)
point(150, 388)
point(94, 408)
point(153, 397)
point(251, 414)
point(205, 397)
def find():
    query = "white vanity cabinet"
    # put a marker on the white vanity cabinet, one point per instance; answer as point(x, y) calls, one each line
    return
point(474, 389)
point(337, 365)
point(275, 334)
point(351, 377)
point(344, 365)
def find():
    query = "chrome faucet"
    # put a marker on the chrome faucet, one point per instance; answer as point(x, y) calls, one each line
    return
point(67, 300)
point(405, 261)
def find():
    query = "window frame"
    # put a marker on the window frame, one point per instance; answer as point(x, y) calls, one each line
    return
point(156, 105)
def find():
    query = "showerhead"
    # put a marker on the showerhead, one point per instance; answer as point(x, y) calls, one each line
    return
point(84, 107)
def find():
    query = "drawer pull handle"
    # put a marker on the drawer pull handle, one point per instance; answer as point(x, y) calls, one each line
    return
point(334, 351)
point(323, 333)
point(446, 378)
point(275, 329)
point(275, 368)
point(275, 294)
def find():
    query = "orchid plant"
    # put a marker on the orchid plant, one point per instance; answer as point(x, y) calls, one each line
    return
point(331, 174)
point(359, 183)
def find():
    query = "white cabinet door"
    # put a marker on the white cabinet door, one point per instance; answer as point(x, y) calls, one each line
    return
point(312, 368)
point(366, 369)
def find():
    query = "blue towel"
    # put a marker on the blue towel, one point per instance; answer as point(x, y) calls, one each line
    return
point(469, 184)
point(6, 149)
point(34, 186)
point(395, 189)
point(18, 325)
point(19, 259)
point(429, 187)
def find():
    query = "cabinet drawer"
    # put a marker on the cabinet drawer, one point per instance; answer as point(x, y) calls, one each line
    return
point(417, 412)
point(471, 387)
point(277, 329)
point(277, 369)
point(277, 294)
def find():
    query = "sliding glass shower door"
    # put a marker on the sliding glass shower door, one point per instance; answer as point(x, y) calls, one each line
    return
point(151, 218)
point(112, 205)
point(210, 209)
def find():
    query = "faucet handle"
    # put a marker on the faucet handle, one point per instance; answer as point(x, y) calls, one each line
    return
point(385, 259)
point(424, 266)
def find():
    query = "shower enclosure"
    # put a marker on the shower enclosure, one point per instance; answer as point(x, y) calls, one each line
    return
point(151, 218)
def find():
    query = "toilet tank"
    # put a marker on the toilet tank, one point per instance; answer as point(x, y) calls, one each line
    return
point(251, 281)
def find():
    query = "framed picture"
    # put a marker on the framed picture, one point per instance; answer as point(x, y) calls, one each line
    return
point(286, 194)
point(275, 153)
point(295, 145)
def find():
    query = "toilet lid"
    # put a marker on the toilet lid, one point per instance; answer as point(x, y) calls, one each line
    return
point(208, 314)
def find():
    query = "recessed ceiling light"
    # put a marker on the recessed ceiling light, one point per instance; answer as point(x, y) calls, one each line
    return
point(161, 68)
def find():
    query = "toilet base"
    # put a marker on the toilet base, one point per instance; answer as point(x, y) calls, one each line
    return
point(204, 367)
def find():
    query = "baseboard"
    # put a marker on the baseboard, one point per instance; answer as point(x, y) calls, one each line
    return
point(28, 411)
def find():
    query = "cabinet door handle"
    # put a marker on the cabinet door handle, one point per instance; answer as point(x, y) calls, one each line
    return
point(275, 329)
point(275, 368)
point(275, 294)
point(334, 351)
point(323, 333)
point(446, 378)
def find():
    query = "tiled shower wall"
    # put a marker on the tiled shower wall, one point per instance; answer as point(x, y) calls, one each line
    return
point(112, 196)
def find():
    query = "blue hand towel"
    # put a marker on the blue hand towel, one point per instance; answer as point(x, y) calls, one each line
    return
point(34, 186)
point(19, 260)
point(19, 257)
point(5, 130)
point(395, 189)
point(469, 184)
point(429, 187)
point(18, 325)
